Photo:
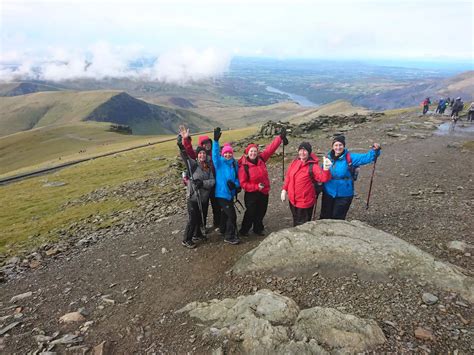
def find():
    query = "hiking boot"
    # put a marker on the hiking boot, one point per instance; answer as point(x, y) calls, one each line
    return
point(261, 233)
point(188, 244)
point(233, 241)
point(199, 238)
point(244, 234)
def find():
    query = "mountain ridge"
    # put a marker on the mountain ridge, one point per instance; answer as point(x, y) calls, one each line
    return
point(21, 113)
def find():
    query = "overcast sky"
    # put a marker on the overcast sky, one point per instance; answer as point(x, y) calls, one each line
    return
point(110, 33)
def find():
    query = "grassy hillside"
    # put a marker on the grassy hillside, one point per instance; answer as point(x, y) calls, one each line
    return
point(52, 145)
point(23, 88)
point(239, 116)
point(32, 213)
point(339, 107)
point(21, 113)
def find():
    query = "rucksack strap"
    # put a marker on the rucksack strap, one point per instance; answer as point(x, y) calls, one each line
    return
point(247, 169)
point(318, 187)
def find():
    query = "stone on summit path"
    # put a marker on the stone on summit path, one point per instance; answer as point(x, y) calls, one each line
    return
point(343, 248)
point(269, 323)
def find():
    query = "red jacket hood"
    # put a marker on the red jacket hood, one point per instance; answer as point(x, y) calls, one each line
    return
point(312, 158)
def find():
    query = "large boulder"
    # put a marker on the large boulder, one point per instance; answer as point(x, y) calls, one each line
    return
point(341, 248)
point(338, 330)
point(269, 323)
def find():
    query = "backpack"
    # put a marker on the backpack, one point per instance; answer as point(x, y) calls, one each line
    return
point(246, 167)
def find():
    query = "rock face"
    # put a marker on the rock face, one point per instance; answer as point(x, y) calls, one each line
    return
point(341, 248)
point(269, 323)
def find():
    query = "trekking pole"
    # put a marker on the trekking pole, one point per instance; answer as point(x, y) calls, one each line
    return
point(371, 181)
point(314, 209)
point(283, 165)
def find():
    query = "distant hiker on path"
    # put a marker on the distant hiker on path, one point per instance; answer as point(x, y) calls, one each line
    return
point(457, 107)
point(299, 183)
point(470, 114)
point(227, 187)
point(200, 182)
point(206, 143)
point(426, 105)
point(253, 177)
point(339, 191)
point(441, 106)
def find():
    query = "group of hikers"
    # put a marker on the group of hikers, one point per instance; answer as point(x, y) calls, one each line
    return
point(456, 105)
point(214, 176)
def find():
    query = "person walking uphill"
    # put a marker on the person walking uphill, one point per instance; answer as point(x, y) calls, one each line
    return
point(253, 177)
point(299, 183)
point(199, 186)
point(426, 105)
point(339, 191)
point(206, 143)
point(227, 187)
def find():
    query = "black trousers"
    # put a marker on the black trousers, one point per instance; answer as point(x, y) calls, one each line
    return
point(216, 210)
point(335, 208)
point(301, 215)
point(193, 228)
point(228, 222)
point(425, 109)
point(256, 205)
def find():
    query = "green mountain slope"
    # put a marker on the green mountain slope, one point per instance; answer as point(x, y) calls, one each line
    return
point(58, 144)
point(23, 88)
point(21, 113)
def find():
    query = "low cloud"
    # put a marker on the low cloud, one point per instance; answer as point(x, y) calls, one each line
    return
point(102, 61)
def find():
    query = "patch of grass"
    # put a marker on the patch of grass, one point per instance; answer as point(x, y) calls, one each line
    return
point(53, 145)
point(31, 212)
point(401, 111)
point(469, 145)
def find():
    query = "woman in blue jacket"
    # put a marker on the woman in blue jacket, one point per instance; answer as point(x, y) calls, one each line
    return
point(227, 187)
point(339, 191)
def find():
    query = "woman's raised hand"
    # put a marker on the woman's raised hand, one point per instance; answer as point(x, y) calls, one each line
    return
point(183, 131)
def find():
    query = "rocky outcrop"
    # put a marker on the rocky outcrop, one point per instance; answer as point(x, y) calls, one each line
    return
point(342, 248)
point(270, 128)
point(269, 323)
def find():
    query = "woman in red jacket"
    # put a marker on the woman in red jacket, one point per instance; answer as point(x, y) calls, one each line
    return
point(253, 177)
point(299, 185)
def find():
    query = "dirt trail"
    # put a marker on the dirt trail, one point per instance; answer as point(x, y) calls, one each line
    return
point(149, 275)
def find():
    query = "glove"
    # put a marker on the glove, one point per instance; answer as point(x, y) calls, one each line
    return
point(285, 141)
point(283, 133)
point(283, 195)
point(198, 183)
point(326, 163)
point(231, 185)
point(239, 190)
point(180, 142)
point(217, 134)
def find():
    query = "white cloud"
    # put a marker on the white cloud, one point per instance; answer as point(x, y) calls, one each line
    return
point(188, 64)
point(101, 60)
